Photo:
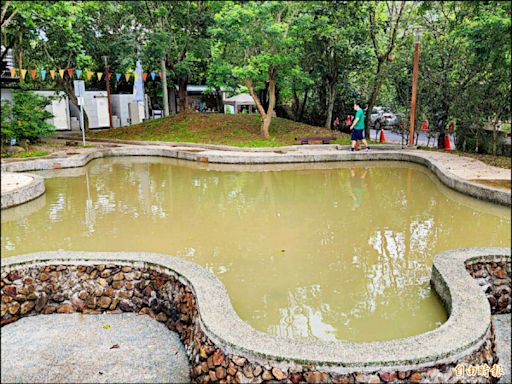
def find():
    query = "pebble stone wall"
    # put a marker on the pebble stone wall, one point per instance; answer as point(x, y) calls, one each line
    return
point(113, 288)
point(495, 280)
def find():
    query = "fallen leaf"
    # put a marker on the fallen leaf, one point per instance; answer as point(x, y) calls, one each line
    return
point(106, 326)
point(114, 346)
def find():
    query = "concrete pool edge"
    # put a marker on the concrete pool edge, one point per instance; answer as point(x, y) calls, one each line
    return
point(479, 191)
point(24, 192)
point(467, 336)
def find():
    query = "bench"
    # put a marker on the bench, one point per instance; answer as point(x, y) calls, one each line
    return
point(324, 140)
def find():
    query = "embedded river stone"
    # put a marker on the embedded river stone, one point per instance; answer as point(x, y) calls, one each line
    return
point(220, 347)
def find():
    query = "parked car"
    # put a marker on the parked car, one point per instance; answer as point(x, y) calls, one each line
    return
point(382, 118)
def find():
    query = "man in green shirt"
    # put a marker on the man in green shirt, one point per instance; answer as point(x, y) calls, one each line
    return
point(357, 128)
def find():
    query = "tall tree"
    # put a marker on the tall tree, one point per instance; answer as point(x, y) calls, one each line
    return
point(177, 33)
point(384, 18)
point(252, 38)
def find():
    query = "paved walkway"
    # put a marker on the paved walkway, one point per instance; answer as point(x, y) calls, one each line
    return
point(503, 349)
point(396, 137)
point(80, 348)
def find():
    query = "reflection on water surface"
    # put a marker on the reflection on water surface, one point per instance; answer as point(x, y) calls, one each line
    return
point(330, 251)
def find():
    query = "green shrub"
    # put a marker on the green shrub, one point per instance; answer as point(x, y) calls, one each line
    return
point(24, 117)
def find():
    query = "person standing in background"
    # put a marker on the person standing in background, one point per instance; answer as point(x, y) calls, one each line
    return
point(357, 128)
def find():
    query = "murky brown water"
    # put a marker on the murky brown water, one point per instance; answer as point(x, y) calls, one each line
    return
point(318, 251)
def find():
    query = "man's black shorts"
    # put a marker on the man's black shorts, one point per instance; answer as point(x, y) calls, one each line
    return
point(357, 134)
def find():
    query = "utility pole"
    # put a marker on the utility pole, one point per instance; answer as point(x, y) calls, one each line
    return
point(164, 88)
point(107, 79)
point(414, 84)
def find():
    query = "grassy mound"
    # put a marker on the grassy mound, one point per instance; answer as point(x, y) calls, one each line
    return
point(215, 128)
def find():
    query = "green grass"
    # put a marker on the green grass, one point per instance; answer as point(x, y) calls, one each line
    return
point(212, 128)
point(33, 154)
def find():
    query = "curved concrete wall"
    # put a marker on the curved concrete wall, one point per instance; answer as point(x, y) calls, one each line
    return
point(26, 192)
point(279, 156)
point(212, 329)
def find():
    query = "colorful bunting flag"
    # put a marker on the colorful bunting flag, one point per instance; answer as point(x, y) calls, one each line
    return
point(78, 73)
point(61, 73)
point(144, 76)
point(118, 76)
point(13, 72)
point(23, 73)
point(52, 73)
point(100, 74)
point(70, 73)
point(127, 76)
point(109, 75)
point(89, 75)
point(33, 74)
point(43, 74)
point(153, 74)
point(135, 75)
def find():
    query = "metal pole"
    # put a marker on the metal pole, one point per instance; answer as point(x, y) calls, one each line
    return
point(107, 79)
point(82, 119)
point(414, 89)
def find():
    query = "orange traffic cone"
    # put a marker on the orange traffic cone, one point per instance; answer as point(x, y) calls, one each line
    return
point(447, 142)
point(382, 137)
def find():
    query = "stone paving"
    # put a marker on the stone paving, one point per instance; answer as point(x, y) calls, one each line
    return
point(502, 326)
point(114, 348)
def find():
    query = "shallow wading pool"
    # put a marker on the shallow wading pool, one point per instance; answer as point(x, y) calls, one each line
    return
point(328, 251)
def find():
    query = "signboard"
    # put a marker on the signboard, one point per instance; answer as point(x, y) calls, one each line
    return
point(79, 90)
point(80, 93)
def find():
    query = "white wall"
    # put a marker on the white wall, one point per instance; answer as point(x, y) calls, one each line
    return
point(59, 108)
point(96, 107)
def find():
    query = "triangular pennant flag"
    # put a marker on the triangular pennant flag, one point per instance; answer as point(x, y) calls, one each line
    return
point(109, 75)
point(13, 72)
point(70, 73)
point(127, 76)
point(153, 74)
point(23, 73)
point(100, 74)
point(61, 73)
point(43, 74)
point(135, 75)
point(118, 76)
point(33, 73)
point(52, 73)
point(78, 73)
point(88, 74)
point(144, 76)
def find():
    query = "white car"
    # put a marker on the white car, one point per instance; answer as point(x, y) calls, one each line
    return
point(382, 118)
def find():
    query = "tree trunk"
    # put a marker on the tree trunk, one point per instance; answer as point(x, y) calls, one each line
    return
point(265, 126)
point(373, 97)
point(271, 105)
point(331, 94)
point(172, 98)
point(494, 139)
point(218, 99)
point(182, 93)
point(164, 87)
point(266, 116)
point(303, 105)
